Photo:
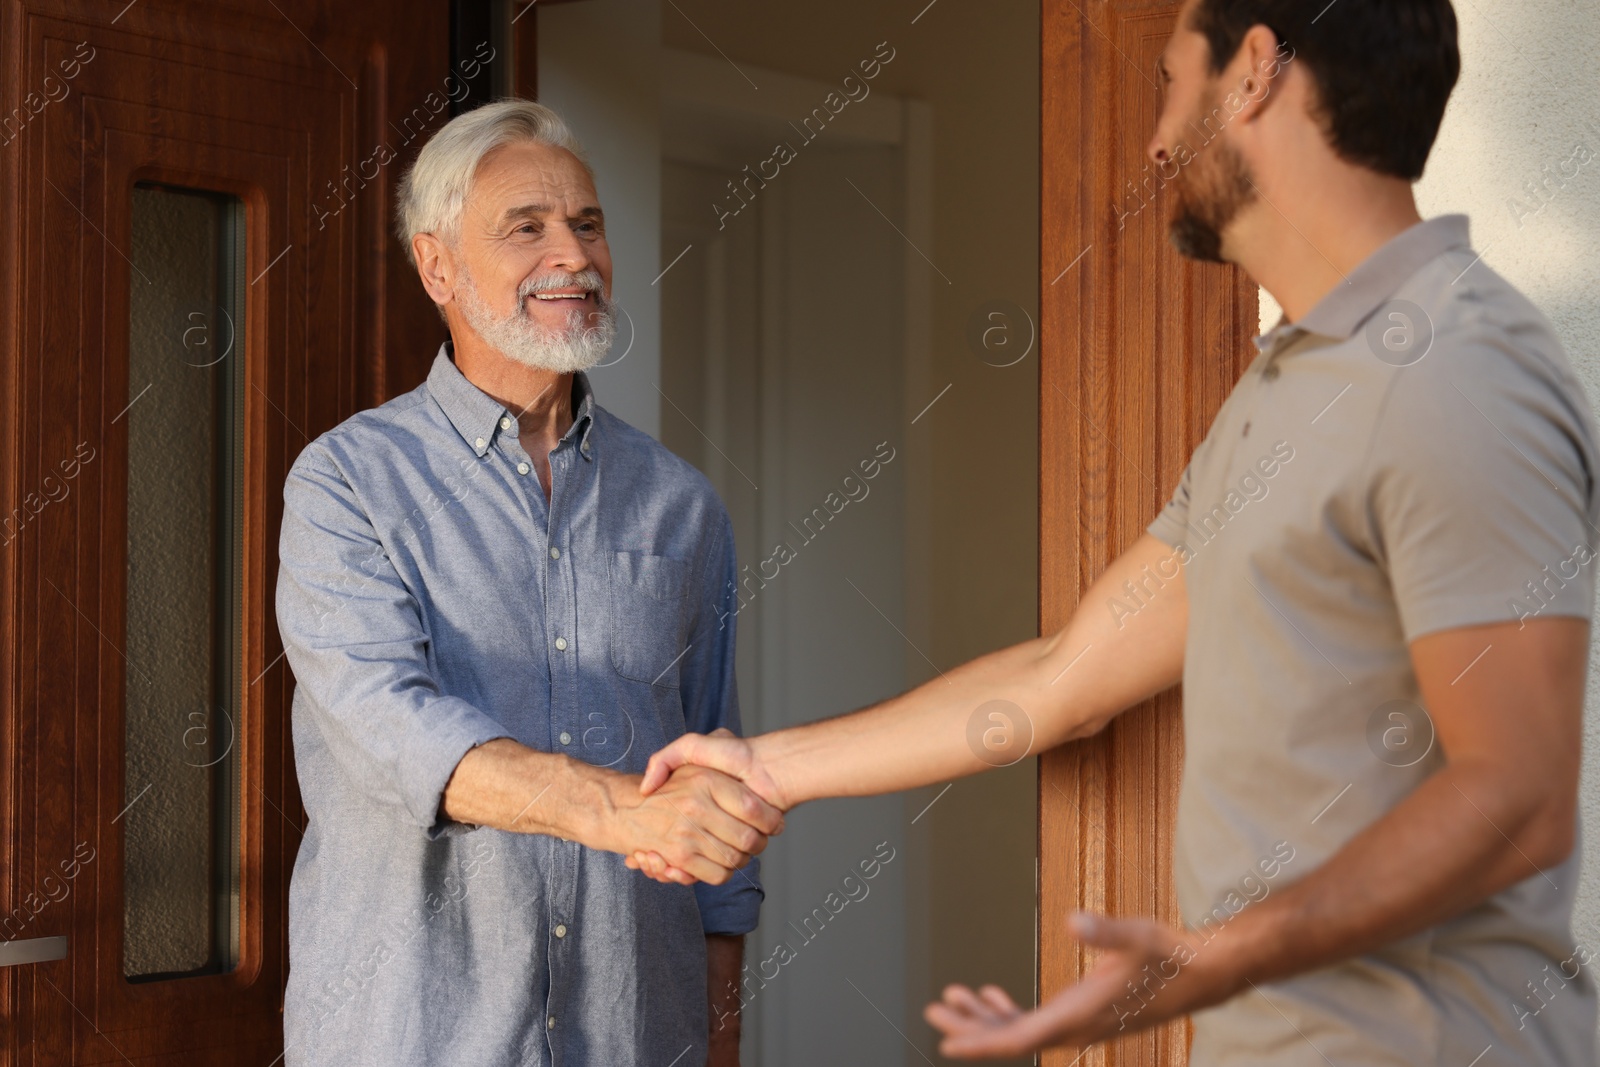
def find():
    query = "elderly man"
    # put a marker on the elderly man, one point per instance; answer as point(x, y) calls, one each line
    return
point(1374, 581)
point(498, 600)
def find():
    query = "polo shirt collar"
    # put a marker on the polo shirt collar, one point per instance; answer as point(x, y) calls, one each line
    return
point(476, 415)
point(1345, 310)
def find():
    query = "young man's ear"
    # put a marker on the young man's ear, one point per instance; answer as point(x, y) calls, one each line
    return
point(1258, 71)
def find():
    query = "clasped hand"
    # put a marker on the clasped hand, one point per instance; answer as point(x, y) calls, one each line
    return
point(723, 755)
point(700, 825)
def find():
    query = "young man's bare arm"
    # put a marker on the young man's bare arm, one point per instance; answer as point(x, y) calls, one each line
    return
point(1502, 808)
point(1055, 688)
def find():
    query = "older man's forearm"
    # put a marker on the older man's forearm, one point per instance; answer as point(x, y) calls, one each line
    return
point(709, 821)
point(509, 786)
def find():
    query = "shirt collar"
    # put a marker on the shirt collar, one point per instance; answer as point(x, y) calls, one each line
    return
point(1342, 312)
point(583, 406)
point(476, 415)
point(1274, 339)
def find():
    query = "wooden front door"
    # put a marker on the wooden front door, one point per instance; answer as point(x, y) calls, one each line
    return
point(1138, 351)
point(197, 279)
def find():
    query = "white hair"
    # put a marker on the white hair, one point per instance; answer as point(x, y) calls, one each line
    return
point(433, 193)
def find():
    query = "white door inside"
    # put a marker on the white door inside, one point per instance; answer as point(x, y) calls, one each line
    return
point(784, 372)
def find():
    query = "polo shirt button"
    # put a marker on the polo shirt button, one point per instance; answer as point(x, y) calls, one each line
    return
point(561, 644)
point(561, 930)
point(566, 738)
point(523, 468)
point(505, 423)
point(555, 553)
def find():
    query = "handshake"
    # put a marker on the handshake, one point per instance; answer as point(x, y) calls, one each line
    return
point(702, 809)
point(705, 806)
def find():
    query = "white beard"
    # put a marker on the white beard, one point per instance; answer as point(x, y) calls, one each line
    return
point(581, 344)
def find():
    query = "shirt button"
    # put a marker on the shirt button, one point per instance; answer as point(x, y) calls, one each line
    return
point(481, 442)
point(561, 644)
point(523, 468)
point(566, 738)
point(561, 930)
point(550, 1023)
point(1271, 373)
point(505, 423)
point(555, 553)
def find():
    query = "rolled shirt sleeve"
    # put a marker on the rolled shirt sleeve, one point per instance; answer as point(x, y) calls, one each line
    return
point(711, 701)
point(361, 657)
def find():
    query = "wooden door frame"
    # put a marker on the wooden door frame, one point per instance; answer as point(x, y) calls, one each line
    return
point(335, 322)
point(1138, 351)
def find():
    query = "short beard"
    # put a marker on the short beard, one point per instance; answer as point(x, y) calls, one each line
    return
point(582, 343)
point(1207, 201)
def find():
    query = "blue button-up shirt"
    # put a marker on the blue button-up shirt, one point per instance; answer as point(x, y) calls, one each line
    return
point(430, 599)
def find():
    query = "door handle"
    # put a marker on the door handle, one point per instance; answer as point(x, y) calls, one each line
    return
point(32, 950)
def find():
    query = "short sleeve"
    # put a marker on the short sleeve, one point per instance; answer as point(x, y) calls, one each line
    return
point(1171, 525)
point(1481, 492)
point(1174, 518)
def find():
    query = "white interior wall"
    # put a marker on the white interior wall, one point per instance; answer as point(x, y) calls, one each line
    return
point(780, 367)
point(600, 68)
point(971, 853)
point(832, 643)
point(970, 78)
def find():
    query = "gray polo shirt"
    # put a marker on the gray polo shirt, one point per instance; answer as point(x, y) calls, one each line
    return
point(1415, 455)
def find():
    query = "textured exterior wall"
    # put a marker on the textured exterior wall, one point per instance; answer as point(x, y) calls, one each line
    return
point(1527, 99)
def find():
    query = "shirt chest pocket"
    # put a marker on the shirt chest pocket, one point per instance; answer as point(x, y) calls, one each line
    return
point(650, 609)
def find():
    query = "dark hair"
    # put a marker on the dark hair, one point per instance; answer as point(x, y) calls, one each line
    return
point(1383, 68)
